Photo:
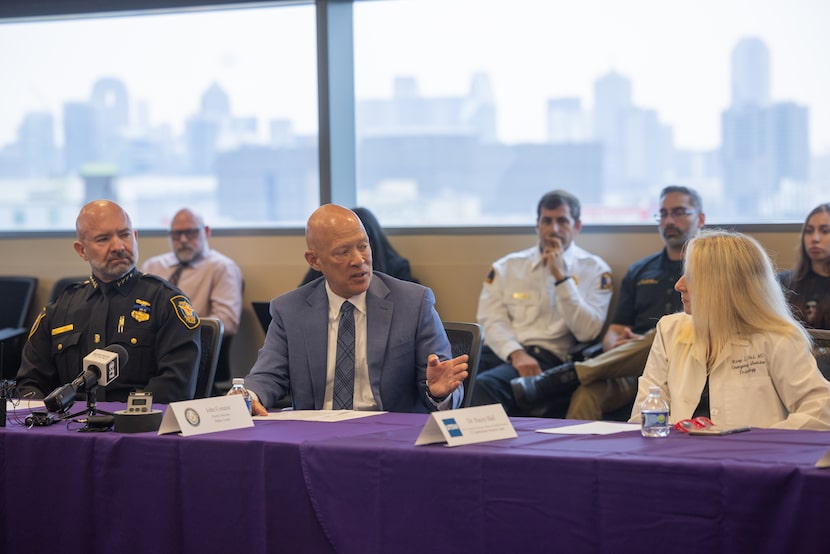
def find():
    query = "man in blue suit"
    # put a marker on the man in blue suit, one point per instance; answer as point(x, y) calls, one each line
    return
point(398, 338)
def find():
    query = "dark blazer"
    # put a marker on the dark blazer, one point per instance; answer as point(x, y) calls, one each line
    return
point(403, 328)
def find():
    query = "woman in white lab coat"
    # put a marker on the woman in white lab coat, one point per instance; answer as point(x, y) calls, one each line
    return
point(736, 354)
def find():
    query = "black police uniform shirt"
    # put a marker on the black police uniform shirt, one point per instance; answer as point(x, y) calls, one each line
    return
point(647, 292)
point(145, 314)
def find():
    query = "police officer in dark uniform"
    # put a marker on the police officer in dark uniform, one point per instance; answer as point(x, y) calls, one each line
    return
point(145, 314)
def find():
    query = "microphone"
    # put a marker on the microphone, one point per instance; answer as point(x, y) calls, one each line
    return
point(106, 364)
point(102, 367)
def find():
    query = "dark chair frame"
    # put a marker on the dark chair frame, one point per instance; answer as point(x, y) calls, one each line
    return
point(466, 338)
point(62, 283)
point(212, 331)
point(263, 314)
point(16, 296)
point(821, 350)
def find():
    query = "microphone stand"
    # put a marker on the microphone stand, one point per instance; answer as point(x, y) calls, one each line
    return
point(90, 411)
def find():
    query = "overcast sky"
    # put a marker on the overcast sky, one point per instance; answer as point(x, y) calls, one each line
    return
point(676, 54)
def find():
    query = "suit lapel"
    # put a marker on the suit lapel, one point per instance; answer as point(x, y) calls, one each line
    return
point(379, 310)
point(315, 323)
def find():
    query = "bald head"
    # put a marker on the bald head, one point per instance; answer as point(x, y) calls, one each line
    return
point(106, 239)
point(188, 217)
point(328, 220)
point(338, 247)
point(97, 210)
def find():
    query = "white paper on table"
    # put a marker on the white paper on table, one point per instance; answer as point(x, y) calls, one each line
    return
point(593, 428)
point(25, 405)
point(315, 415)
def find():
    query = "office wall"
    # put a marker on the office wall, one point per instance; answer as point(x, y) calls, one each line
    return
point(453, 265)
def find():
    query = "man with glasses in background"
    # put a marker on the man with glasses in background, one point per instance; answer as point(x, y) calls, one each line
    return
point(211, 280)
point(608, 382)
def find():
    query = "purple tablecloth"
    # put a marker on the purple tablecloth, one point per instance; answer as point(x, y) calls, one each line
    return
point(361, 486)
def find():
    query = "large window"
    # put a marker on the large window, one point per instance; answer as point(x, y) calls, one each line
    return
point(467, 111)
point(464, 112)
point(211, 109)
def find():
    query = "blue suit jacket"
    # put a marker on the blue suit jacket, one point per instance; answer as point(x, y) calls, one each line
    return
point(402, 329)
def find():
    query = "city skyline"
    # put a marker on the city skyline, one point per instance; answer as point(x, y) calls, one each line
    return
point(521, 114)
point(136, 109)
point(611, 99)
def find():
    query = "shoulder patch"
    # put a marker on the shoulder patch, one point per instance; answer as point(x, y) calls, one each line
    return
point(605, 281)
point(490, 276)
point(184, 311)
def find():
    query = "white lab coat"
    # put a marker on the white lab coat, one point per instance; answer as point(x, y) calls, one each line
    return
point(760, 380)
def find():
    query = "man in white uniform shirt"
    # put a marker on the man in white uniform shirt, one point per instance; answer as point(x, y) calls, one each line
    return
point(536, 303)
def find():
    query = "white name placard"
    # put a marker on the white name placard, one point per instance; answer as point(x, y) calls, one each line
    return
point(467, 426)
point(206, 415)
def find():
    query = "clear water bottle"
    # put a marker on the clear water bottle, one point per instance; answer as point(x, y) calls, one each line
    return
point(239, 388)
point(655, 414)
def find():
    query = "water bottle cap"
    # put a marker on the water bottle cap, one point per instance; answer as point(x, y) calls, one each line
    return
point(238, 381)
point(654, 389)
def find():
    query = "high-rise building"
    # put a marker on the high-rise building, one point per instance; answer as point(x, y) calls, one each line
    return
point(790, 123)
point(36, 137)
point(80, 135)
point(750, 73)
point(110, 101)
point(568, 122)
point(215, 103)
point(636, 146)
point(762, 142)
point(409, 113)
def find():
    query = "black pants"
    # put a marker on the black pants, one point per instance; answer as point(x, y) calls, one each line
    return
point(492, 384)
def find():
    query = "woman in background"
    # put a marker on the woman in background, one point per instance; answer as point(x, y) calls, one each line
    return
point(736, 354)
point(384, 257)
point(807, 285)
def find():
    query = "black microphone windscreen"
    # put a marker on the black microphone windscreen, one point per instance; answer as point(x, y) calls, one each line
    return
point(121, 351)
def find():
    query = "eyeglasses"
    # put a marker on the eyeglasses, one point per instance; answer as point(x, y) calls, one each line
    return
point(686, 425)
point(189, 233)
point(676, 213)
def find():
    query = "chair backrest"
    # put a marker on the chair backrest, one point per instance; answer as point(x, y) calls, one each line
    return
point(466, 338)
point(212, 331)
point(263, 314)
point(61, 284)
point(821, 350)
point(16, 294)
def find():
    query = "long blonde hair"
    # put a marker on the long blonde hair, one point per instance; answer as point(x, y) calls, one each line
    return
point(734, 291)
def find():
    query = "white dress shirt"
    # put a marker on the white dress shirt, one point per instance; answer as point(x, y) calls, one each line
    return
point(363, 397)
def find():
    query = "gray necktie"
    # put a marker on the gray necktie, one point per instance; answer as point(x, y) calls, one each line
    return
point(344, 364)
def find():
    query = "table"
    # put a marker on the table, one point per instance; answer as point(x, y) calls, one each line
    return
point(361, 486)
